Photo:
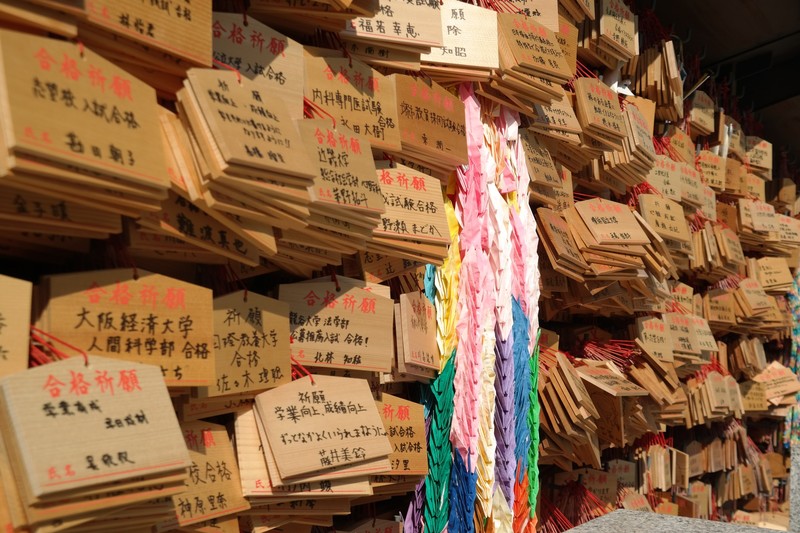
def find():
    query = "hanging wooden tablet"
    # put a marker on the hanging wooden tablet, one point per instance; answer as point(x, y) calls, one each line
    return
point(96, 101)
point(431, 122)
point(519, 36)
point(404, 423)
point(330, 404)
point(368, 101)
point(410, 25)
point(735, 174)
point(713, 169)
point(15, 319)
point(701, 114)
point(260, 53)
point(347, 329)
point(125, 402)
point(251, 343)
point(462, 56)
point(680, 144)
point(789, 229)
point(759, 156)
point(655, 340)
point(355, 475)
point(540, 166)
point(683, 334)
point(599, 112)
point(664, 176)
point(253, 134)
point(617, 28)
point(346, 186)
point(177, 30)
point(256, 484)
point(691, 185)
point(558, 198)
point(560, 246)
point(611, 222)
point(414, 214)
point(135, 316)
point(214, 489)
point(664, 216)
point(419, 330)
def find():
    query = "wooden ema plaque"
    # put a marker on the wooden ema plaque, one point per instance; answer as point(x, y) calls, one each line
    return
point(261, 53)
point(414, 25)
point(175, 28)
point(404, 423)
point(251, 343)
point(214, 489)
point(15, 318)
point(367, 104)
point(340, 410)
point(461, 23)
point(140, 317)
point(124, 402)
point(347, 329)
point(68, 107)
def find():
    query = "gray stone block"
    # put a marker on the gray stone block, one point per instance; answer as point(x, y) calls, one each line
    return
point(624, 521)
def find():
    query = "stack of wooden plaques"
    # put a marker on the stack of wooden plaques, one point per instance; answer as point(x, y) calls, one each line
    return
point(406, 29)
point(610, 238)
point(718, 309)
point(701, 114)
point(713, 168)
point(461, 56)
point(306, 17)
point(569, 416)
point(557, 121)
point(346, 203)
point(432, 124)
point(560, 246)
point(94, 484)
point(78, 175)
point(249, 153)
point(612, 37)
point(413, 225)
point(752, 303)
point(525, 79)
point(157, 43)
point(759, 156)
point(717, 252)
point(656, 75)
point(632, 165)
point(773, 273)
point(747, 359)
point(541, 169)
point(600, 116)
point(185, 218)
point(779, 383)
point(759, 228)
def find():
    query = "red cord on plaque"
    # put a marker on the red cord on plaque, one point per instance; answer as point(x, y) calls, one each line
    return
point(219, 64)
point(46, 339)
point(299, 371)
